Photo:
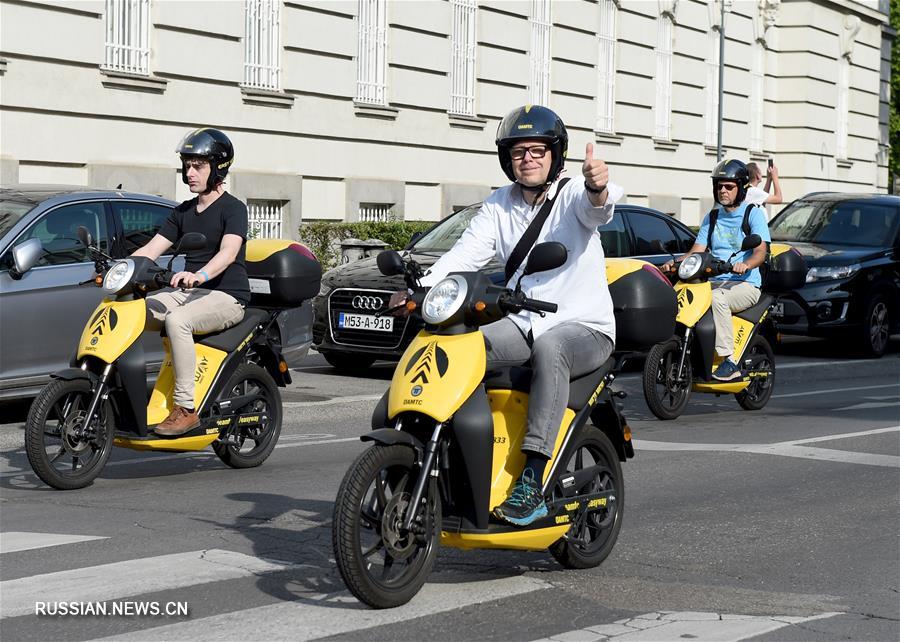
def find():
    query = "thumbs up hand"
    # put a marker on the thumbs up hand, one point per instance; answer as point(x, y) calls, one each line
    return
point(596, 173)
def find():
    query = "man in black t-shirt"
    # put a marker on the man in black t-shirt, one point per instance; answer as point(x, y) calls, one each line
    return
point(211, 292)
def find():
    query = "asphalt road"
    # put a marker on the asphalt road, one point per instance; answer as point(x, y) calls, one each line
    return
point(772, 525)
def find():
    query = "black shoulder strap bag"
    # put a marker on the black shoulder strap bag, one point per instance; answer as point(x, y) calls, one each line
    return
point(523, 247)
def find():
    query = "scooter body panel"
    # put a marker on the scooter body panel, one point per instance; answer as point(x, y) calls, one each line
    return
point(694, 299)
point(437, 373)
point(179, 444)
point(522, 539)
point(209, 361)
point(113, 327)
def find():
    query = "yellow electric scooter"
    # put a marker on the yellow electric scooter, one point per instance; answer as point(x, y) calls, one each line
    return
point(101, 401)
point(446, 447)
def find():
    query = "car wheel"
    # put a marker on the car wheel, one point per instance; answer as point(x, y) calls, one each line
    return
point(875, 332)
point(347, 361)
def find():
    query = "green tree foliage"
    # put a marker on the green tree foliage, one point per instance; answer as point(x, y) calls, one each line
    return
point(895, 96)
point(324, 238)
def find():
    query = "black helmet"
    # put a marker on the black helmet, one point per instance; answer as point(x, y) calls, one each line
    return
point(532, 122)
point(732, 170)
point(212, 145)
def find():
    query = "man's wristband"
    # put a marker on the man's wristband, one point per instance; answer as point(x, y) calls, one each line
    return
point(205, 276)
point(594, 191)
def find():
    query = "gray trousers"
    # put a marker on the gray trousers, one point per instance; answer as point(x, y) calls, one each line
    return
point(568, 350)
point(729, 297)
point(185, 312)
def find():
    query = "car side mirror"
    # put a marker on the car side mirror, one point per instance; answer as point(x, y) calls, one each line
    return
point(25, 255)
point(750, 242)
point(84, 235)
point(389, 262)
point(546, 256)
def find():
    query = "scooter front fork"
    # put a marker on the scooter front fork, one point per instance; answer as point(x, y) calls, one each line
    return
point(685, 351)
point(99, 395)
point(424, 473)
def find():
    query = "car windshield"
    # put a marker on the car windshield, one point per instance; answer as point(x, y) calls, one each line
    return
point(838, 223)
point(10, 213)
point(445, 235)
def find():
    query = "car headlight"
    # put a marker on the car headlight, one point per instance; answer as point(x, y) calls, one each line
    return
point(831, 272)
point(117, 276)
point(689, 267)
point(444, 299)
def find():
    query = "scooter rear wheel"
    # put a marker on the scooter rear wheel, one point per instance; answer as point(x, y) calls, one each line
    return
point(60, 450)
point(382, 565)
point(758, 393)
point(593, 534)
point(254, 442)
point(666, 395)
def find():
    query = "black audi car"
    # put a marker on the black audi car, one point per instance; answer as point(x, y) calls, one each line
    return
point(851, 243)
point(350, 336)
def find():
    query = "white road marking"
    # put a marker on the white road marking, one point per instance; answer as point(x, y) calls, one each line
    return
point(131, 577)
point(834, 390)
point(14, 541)
point(334, 400)
point(700, 627)
point(869, 405)
point(789, 449)
point(320, 615)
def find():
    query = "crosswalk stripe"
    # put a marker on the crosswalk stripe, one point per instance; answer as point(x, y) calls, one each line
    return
point(320, 615)
point(15, 541)
point(131, 577)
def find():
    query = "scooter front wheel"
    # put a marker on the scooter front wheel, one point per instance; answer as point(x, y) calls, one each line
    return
point(62, 451)
point(666, 393)
point(382, 564)
point(249, 445)
point(595, 530)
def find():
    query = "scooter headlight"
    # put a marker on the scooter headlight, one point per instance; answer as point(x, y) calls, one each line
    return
point(444, 299)
point(118, 275)
point(690, 267)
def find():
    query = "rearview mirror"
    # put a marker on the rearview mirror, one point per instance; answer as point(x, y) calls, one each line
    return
point(750, 242)
point(389, 262)
point(25, 255)
point(546, 256)
point(84, 235)
point(191, 241)
point(412, 239)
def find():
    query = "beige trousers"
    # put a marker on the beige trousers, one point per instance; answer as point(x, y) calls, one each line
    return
point(729, 297)
point(185, 312)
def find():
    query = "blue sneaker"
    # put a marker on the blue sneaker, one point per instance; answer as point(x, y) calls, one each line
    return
point(525, 504)
point(727, 371)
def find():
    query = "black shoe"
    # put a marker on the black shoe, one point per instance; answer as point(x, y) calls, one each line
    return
point(525, 504)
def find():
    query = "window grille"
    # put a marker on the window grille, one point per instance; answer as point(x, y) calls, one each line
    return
point(371, 73)
point(842, 110)
point(262, 44)
point(606, 85)
point(128, 36)
point(375, 212)
point(757, 95)
point(712, 86)
point(462, 72)
point(265, 218)
point(664, 32)
point(540, 52)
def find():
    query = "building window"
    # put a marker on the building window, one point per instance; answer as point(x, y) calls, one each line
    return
point(371, 75)
point(540, 52)
point(462, 71)
point(369, 212)
point(265, 219)
point(262, 44)
point(128, 36)
point(843, 107)
point(606, 80)
point(757, 94)
point(712, 86)
point(665, 29)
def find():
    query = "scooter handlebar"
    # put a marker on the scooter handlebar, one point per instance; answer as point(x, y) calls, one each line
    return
point(535, 305)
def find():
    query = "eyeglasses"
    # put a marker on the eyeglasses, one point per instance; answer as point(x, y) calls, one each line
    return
point(726, 186)
point(195, 163)
point(536, 151)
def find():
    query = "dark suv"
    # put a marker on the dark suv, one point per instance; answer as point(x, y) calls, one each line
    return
point(851, 243)
point(350, 337)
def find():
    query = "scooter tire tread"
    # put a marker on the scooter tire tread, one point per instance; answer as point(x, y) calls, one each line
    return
point(651, 370)
point(743, 398)
point(225, 453)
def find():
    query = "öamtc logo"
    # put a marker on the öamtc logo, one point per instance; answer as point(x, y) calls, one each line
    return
point(107, 317)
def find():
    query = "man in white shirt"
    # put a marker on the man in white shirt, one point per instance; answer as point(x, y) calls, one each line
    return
point(759, 196)
point(532, 142)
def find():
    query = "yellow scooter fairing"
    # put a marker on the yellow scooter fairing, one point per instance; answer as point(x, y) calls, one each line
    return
point(180, 444)
point(522, 539)
point(112, 328)
point(617, 268)
point(694, 299)
point(209, 362)
point(437, 373)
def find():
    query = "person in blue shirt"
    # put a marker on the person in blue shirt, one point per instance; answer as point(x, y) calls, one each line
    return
point(740, 289)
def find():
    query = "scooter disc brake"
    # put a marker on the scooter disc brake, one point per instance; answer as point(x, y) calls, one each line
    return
point(73, 434)
point(399, 545)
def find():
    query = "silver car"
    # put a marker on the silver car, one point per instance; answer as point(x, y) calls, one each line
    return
point(43, 310)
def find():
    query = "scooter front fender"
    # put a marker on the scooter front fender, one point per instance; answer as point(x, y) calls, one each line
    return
point(390, 437)
point(71, 374)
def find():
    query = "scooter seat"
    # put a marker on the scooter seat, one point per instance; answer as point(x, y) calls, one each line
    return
point(228, 340)
point(754, 312)
point(519, 378)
